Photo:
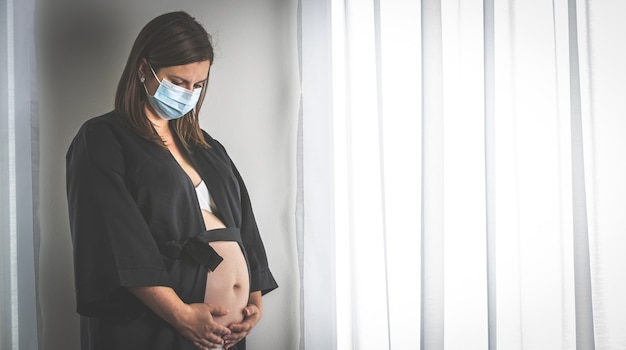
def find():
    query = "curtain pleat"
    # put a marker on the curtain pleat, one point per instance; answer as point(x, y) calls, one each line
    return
point(490, 141)
point(401, 127)
point(582, 266)
point(465, 298)
point(604, 127)
point(315, 231)
point(432, 253)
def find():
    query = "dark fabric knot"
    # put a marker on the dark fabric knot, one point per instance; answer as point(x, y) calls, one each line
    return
point(202, 253)
point(196, 249)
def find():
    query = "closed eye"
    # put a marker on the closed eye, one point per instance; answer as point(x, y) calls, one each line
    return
point(182, 82)
point(200, 84)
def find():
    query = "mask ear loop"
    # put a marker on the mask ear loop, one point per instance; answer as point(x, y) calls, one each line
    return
point(153, 73)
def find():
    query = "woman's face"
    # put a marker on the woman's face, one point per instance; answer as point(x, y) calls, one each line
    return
point(189, 76)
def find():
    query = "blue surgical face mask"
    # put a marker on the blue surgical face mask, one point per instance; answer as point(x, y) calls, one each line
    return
point(171, 101)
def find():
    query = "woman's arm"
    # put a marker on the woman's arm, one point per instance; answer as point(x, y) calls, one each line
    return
point(193, 321)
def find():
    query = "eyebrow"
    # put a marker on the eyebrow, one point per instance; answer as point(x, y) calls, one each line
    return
point(187, 81)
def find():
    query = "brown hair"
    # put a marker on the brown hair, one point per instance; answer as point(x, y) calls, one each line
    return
point(171, 39)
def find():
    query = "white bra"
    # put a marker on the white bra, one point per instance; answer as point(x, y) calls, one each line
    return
point(204, 198)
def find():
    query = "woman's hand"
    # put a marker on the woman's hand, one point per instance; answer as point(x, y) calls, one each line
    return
point(198, 326)
point(194, 321)
point(251, 316)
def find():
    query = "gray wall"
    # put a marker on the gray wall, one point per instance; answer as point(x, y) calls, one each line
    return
point(251, 108)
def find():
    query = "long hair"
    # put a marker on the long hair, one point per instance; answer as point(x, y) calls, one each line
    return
point(171, 39)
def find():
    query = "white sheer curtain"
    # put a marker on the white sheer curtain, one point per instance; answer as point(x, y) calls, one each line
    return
point(461, 174)
point(19, 166)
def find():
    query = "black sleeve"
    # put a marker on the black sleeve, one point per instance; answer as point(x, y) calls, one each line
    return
point(113, 246)
point(261, 278)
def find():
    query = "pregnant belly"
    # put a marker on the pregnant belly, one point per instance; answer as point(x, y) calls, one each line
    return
point(228, 286)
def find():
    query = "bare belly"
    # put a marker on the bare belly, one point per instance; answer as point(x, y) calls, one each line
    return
point(229, 285)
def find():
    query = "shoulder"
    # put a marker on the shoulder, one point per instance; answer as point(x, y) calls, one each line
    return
point(105, 128)
point(214, 144)
point(102, 124)
point(216, 150)
point(101, 136)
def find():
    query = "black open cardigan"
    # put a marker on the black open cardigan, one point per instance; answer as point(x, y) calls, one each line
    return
point(135, 221)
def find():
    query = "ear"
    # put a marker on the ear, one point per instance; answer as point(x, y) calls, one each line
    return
point(141, 70)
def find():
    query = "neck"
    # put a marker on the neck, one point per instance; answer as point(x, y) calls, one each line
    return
point(161, 125)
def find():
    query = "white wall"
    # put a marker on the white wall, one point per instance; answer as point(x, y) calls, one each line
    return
point(251, 108)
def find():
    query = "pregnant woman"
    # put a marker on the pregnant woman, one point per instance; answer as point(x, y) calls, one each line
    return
point(167, 253)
